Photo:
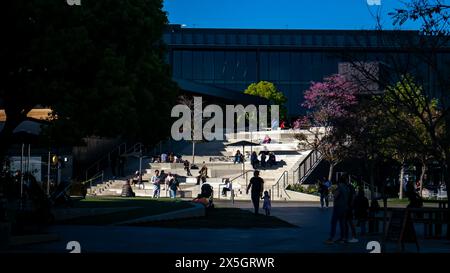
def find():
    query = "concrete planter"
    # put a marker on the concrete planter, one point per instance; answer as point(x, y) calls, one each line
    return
point(5, 235)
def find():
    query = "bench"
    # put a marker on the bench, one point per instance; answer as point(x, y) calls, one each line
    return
point(432, 219)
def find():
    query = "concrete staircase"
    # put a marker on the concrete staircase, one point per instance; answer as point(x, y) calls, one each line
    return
point(218, 158)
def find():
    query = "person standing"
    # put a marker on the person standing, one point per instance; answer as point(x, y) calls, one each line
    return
point(257, 185)
point(187, 168)
point(263, 159)
point(323, 191)
point(174, 185)
point(340, 206)
point(349, 214)
point(254, 160)
point(203, 174)
point(361, 210)
point(238, 157)
point(156, 186)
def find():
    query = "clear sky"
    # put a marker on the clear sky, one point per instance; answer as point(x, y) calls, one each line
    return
point(281, 14)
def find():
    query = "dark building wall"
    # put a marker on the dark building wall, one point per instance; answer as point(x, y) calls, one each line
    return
point(291, 59)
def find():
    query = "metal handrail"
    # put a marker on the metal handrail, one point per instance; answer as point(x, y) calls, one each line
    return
point(313, 158)
point(95, 177)
point(242, 174)
point(285, 177)
point(107, 156)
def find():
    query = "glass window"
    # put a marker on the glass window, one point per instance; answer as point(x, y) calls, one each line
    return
point(231, 39)
point(285, 72)
point(240, 67)
point(230, 65)
point(187, 64)
point(177, 37)
point(253, 39)
point(286, 39)
point(264, 66)
point(176, 64)
point(210, 39)
point(199, 38)
point(297, 40)
point(187, 38)
point(220, 39)
point(242, 39)
point(265, 39)
point(197, 65)
point(307, 40)
point(296, 65)
point(208, 65)
point(250, 67)
point(274, 66)
point(275, 39)
point(219, 65)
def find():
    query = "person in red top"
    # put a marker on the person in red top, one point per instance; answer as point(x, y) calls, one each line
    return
point(282, 125)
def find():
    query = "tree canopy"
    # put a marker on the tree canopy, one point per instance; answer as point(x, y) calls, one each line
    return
point(270, 92)
point(99, 66)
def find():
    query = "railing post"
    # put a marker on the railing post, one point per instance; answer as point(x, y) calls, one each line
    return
point(232, 196)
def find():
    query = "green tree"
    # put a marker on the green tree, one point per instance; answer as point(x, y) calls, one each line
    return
point(270, 92)
point(99, 66)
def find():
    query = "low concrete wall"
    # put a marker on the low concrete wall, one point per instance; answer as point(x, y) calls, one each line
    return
point(198, 210)
point(299, 196)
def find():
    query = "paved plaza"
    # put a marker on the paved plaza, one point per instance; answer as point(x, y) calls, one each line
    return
point(312, 229)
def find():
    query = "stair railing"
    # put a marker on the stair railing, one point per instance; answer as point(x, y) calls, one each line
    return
point(103, 162)
point(305, 168)
point(280, 186)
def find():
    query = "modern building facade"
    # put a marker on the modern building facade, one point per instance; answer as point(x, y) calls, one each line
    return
point(232, 59)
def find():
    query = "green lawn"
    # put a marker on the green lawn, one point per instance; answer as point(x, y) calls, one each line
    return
point(224, 218)
point(143, 207)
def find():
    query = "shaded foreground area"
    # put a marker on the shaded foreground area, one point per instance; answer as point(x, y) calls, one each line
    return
point(224, 218)
point(131, 208)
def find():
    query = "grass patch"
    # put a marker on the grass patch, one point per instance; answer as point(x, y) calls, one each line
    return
point(141, 207)
point(223, 218)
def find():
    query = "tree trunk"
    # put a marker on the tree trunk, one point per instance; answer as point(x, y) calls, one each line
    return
point(447, 184)
point(422, 175)
point(331, 171)
point(193, 152)
point(402, 176)
point(372, 179)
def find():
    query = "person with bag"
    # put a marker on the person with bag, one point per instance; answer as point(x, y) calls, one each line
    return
point(174, 185)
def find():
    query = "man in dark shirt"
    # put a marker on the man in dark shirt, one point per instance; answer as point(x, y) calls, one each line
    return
point(257, 185)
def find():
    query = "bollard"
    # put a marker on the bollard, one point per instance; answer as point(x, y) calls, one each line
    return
point(232, 196)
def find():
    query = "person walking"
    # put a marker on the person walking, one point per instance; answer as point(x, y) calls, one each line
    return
point(155, 180)
point(257, 185)
point(267, 205)
point(340, 206)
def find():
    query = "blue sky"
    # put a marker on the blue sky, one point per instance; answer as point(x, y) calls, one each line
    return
point(281, 14)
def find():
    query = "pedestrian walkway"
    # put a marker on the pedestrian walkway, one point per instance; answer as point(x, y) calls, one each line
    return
point(308, 237)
